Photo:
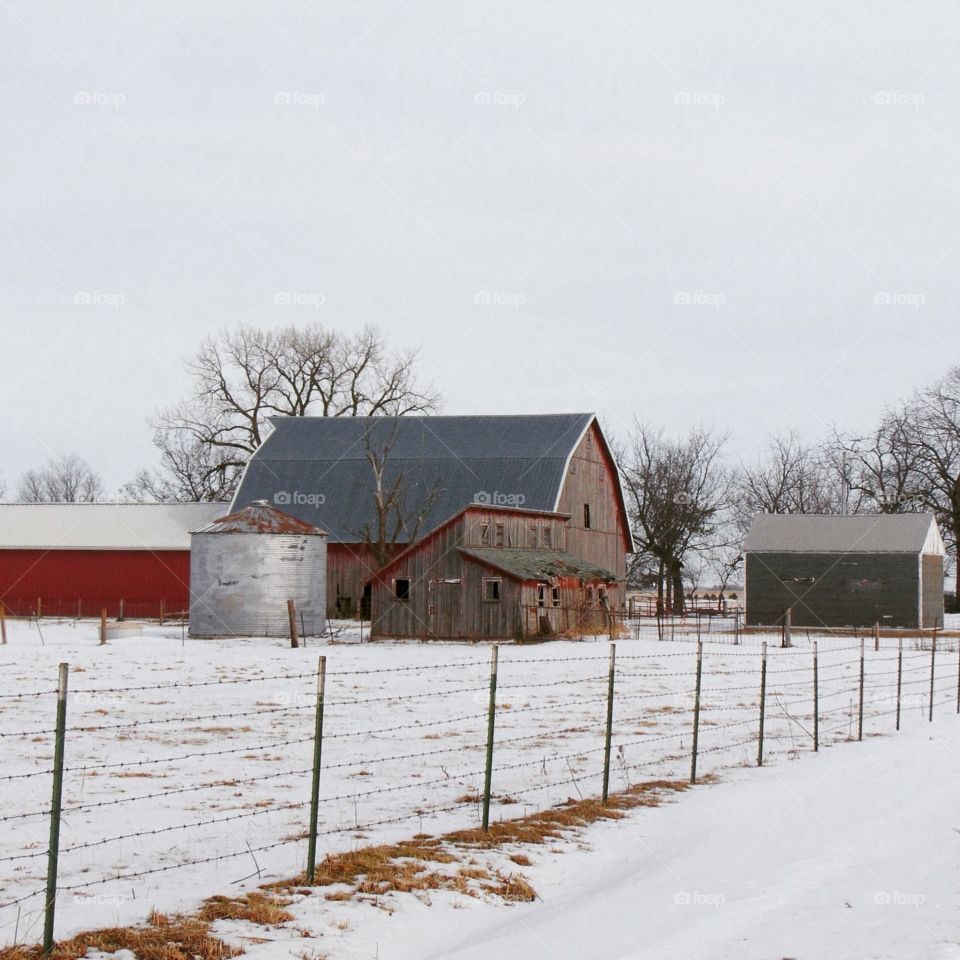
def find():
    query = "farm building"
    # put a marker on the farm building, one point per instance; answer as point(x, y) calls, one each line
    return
point(246, 566)
point(837, 571)
point(388, 490)
point(73, 559)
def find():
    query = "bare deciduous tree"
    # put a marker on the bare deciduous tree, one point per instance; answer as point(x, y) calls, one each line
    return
point(791, 477)
point(242, 378)
point(400, 504)
point(67, 479)
point(677, 492)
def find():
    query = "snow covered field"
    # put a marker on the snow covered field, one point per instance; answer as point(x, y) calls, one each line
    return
point(188, 762)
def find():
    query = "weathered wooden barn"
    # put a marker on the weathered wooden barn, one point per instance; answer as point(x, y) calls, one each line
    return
point(853, 571)
point(492, 572)
point(549, 482)
point(72, 559)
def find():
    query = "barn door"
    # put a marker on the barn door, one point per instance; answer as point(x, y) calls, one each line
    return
point(448, 609)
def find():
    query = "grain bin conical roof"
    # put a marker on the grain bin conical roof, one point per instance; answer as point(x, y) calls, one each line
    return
point(260, 517)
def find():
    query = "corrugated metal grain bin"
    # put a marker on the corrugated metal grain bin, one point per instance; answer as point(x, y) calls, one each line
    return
point(245, 566)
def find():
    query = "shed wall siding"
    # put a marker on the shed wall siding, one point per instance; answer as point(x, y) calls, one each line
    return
point(855, 589)
point(931, 572)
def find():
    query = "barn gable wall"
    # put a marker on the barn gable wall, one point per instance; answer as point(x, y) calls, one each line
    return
point(592, 479)
point(854, 589)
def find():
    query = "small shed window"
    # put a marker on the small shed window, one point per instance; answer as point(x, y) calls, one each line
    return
point(589, 596)
point(555, 596)
point(541, 594)
point(485, 532)
point(586, 516)
point(491, 590)
point(401, 588)
point(602, 596)
point(499, 536)
point(546, 538)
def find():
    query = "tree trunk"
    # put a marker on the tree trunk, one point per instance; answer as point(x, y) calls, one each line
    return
point(676, 578)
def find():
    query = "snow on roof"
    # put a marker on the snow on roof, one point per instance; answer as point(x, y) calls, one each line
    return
point(816, 533)
point(102, 526)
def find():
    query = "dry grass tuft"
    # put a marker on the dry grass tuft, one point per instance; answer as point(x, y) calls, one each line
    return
point(163, 938)
point(254, 907)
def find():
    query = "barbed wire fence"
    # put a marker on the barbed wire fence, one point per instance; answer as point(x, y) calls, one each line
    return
point(344, 748)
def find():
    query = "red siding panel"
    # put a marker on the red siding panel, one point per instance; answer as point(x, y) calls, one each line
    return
point(95, 578)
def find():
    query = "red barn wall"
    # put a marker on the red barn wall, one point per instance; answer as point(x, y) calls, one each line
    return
point(95, 578)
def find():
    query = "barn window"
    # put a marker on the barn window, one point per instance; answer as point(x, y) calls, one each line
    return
point(485, 532)
point(602, 596)
point(586, 516)
point(541, 594)
point(546, 538)
point(532, 536)
point(499, 536)
point(491, 590)
point(589, 596)
point(555, 596)
point(401, 588)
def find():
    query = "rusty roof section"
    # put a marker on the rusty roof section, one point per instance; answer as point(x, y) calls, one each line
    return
point(260, 517)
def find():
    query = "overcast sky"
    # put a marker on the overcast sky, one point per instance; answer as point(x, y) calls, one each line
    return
point(737, 214)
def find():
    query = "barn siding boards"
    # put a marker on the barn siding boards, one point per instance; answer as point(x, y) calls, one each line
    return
point(150, 583)
point(592, 479)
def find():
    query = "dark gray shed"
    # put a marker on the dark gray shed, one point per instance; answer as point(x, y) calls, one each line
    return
point(835, 571)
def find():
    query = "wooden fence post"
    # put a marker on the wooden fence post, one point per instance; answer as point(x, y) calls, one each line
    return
point(103, 626)
point(292, 617)
point(315, 784)
point(491, 715)
point(3, 626)
point(787, 624)
point(696, 713)
point(120, 611)
point(876, 635)
point(933, 662)
point(816, 699)
point(162, 613)
point(763, 700)
point(53, 853)
point(609, 731)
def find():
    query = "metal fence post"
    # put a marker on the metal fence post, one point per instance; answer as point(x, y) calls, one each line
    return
point(763, 699)
point(696, 713)
point(816, 699)
point(491, 714)
point(899, 676)
point(609, 730)
point(53, 855)
point(103, 626)
point(787, 624)
point(933, 661)
point(860, 704)
point(315, 784)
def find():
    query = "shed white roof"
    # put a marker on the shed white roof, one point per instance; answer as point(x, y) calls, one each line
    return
point(815, 533)
point(102, 526)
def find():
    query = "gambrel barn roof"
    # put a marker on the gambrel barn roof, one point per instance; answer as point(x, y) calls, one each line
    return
point(914, 533)
point(317, 468)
